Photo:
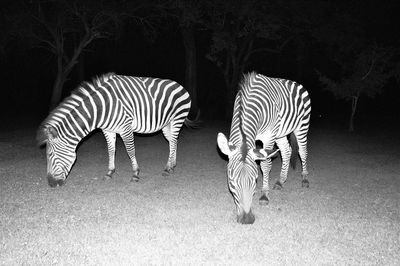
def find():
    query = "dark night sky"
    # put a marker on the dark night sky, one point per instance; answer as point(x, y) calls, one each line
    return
point(27, 75)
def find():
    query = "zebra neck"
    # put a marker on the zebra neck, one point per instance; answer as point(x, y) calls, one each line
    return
point(236, 138)
point(72, 128)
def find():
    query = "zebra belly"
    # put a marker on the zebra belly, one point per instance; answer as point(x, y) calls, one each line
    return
point(147, 127)
point(269, 137)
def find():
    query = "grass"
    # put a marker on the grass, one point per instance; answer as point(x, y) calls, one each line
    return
point(350, 215)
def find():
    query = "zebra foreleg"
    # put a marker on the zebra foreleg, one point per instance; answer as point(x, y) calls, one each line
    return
point(286, 151)
point(128, 139)
point(110, 139)
point(266, 168)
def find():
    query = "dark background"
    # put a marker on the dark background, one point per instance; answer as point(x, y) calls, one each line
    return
point(27, 74)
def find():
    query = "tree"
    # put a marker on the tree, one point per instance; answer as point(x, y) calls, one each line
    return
point(298, 19)
point(371, 71)
point(4, 29)
point(11, 18)
point(66, 28)
point(190, 16)
point(362, 66)
point(187, 15)
point(240, 30)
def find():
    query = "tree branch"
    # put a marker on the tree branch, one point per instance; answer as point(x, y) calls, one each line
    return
point(52, 44)
point(370, 68)
point(269, 50)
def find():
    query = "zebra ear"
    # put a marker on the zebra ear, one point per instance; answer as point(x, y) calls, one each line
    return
point(262, 154)
point(51, 132)
point(224, 145)
point(41, 136)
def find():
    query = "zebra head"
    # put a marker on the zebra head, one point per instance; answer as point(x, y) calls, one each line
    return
point(242, 173)
point(60, 154)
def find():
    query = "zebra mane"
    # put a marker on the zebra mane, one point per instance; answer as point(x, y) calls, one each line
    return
point(83, 89)
point(244, 86)
point(245, 83)
point(103, 78)
point(96, 81)
point(243, 147)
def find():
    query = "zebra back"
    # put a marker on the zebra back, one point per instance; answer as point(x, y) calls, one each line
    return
point(114, 102)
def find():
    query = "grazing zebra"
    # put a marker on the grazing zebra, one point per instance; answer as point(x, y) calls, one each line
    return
point(117, 105)
point(265, 109)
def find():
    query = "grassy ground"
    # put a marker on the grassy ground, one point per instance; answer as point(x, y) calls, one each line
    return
point(349, 215)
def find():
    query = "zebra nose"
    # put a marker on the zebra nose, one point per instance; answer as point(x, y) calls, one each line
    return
point(53, 182)
point(246, 218)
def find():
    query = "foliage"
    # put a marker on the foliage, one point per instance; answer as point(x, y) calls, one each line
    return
point(51, 24)
point(185, 15)
point(364, 74)
point(66, 28)
point(240, 29)
point(362, 66)
point(235, 26)
point(190, 12)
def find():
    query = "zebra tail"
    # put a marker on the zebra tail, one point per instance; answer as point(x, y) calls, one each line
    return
point(194, 124)
point(295, 150)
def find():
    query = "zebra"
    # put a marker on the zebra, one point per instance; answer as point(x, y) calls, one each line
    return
point(116, 104)
point(268, 110)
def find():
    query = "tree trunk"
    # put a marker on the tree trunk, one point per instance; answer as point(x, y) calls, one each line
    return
point(57, 90)
point(354, 102)
point(232, 87)
point(63, 69)
point(230, 100)
point(62, 74)
point(300, 59)
point(237, 59)
point(81, 68)
point(58, 83)
point(191, 66)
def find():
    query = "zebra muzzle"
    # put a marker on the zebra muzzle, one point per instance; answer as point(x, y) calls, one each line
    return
point(246, 218)
point(54, 182)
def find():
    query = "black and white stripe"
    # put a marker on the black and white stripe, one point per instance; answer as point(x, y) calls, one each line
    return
point(269, 110)
point(117, 105)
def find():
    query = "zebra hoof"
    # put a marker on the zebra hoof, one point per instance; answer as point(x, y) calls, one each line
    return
point(135, 178)
point(305, 183)
point(264, 200)
point(107, 177)
point(278, 185)
point(167, 172)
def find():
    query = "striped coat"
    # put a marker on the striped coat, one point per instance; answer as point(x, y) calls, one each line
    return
point(117, 105)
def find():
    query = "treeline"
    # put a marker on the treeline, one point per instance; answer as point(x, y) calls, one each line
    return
point(349, 48)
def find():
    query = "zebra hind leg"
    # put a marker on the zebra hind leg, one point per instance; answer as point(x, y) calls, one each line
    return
point(302, 142)
point(171, 132)
point(110, 139)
